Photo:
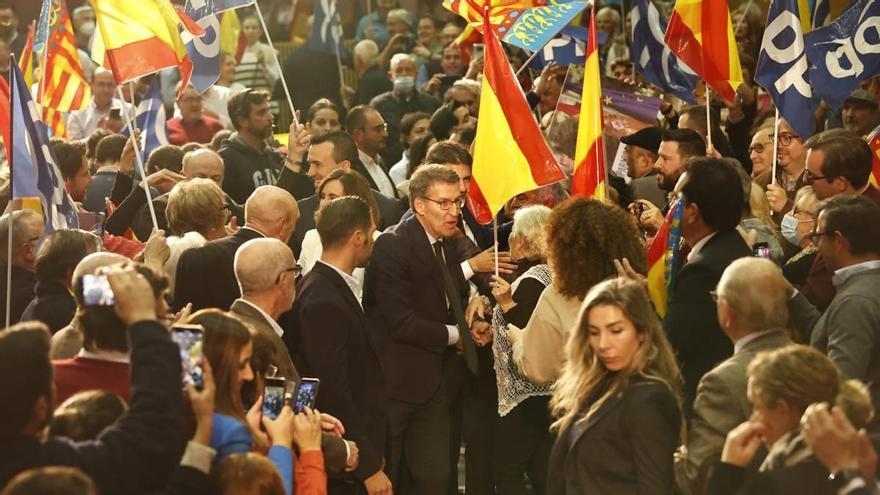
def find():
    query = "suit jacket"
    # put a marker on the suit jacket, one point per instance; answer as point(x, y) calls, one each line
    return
point(691, 320)
point(332, 341)
point(334, 449)
point(626, 446)
point(849, 330)
point(721, 405)
point(53, 305)
point(205, 275)
point(23, 284)
point(390, 211)
point(404, 295)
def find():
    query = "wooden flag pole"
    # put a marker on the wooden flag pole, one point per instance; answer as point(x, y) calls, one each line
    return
point(277, 62)
point(775, 147)
point(131, 121)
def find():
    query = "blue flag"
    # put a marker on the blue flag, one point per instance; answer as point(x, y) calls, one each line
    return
point(845, 52)
point(326, 29)
point(151, 121)
point(567, 48)
point(33, 165)
point(653, 59)
point(782, 67)
point(204, 51)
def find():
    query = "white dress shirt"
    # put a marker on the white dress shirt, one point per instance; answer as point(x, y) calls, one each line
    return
point(382, 181)
point(699, 246)
point(311, 252)
point(272, 322)
point(82, 123)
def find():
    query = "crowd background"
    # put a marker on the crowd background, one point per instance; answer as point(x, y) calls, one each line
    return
point(338, 248)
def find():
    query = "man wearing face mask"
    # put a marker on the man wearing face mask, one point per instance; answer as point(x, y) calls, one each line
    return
point(401, 100)
point(83, 20)
point(9, 29)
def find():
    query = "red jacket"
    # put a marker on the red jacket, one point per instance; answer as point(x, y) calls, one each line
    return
point(80, 374)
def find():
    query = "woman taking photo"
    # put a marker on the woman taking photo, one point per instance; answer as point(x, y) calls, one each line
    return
point(617, 400)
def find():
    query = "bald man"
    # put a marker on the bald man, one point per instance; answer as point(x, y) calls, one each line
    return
point(753, 312)
point(205, 275)
point(27, 227)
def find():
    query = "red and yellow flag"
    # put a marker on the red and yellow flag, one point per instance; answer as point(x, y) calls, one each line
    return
point(510, 154)
point(64, 87)
point(664, 259)
point(701, 35)
point(874, 143)
point(139, 37)
point(26, 61)
point(589, 155)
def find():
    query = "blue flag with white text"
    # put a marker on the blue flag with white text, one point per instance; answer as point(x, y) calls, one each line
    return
point(326, 29)
point(845, 52)
point(33, 165)
point(151, 120)
point(653, 59)
point(566, 48)
point(783, 68)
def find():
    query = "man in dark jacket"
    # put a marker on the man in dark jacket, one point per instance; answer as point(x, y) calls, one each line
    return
point(27, 228)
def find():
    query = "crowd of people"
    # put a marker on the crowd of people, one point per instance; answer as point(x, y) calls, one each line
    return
point(534, 355)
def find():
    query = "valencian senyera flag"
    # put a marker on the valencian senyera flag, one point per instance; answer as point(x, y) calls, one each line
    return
point(510, 154)
point(664, 258)
point(701, 35)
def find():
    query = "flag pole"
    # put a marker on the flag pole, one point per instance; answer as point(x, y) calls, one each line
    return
point(527, 62)
point(709, 146)
point(10, 209)
point(339, 58)
point(132, 127)
point(495, 241)
point(775, 146)
point(278, 63)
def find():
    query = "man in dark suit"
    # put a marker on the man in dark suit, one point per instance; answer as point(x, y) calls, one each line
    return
point(27, 228)
point(327, 153)
point(266, 272)
point(415, 291)
point(205, 275)
point(331, 340)
point(713, 199)
point(370, 131)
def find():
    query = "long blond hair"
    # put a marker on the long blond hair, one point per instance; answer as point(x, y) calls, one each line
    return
point(583, 373)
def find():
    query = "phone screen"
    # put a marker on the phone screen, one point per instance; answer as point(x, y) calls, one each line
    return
point(273, 397)
point(96, 291)
point(306, 394)
point(189, 338)
point(761, 250)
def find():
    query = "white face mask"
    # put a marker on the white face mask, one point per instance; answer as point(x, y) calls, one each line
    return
point(87, 29)
point(404, 85)
point(788, 227)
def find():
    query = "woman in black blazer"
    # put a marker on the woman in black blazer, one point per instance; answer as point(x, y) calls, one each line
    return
point(618, 399)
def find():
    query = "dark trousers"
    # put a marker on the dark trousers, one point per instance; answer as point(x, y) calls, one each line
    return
point(522, 447)
point(419, 462)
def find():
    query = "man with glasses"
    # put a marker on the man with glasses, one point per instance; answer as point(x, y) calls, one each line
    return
point(82, 123)
point(370, 132)
point(27, 227)
point(847, 235)
point(192, 126)
point(791, 159)
point(761, 154)
point(415, 291)
point(838, 163)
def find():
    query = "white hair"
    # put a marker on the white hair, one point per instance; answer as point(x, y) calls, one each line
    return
point(468, 85)
point(529, 225)
point(400, 57)
point(258, 263)
point(367, 51)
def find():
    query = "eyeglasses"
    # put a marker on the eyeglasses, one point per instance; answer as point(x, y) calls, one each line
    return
point(759, 147)
point(810, 178)
point(446, 205)
point(296, 269)
point(380, 128)
point(814, 236)
point(786, 137)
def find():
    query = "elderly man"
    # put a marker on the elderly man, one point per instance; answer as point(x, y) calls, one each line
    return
point(27, 228)
point(205, 275)
point(372, 80)
point(192, 126)
point(401, 100)
point(752, 311)
point(105, 110)
point(860, 112)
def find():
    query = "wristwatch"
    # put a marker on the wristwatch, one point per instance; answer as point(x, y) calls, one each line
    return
point(843, 477)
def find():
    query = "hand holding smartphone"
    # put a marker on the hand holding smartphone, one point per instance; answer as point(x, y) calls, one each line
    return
point(273, 397)
point(190, 338)
point(306, 394)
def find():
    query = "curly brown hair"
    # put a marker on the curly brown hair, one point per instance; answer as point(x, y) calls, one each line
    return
point(585, 237)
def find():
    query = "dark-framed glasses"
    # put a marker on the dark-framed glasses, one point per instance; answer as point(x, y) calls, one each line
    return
point(446, 204)
point(296, 269)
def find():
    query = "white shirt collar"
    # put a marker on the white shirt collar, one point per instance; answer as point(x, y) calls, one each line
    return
point(102, 355)
point(739, 344)
point(375, 170)
point(843, 274)
point(350, 281)
point(700, 245)
point(272, 322)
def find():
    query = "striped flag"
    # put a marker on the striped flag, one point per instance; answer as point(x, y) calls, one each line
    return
point(33, 166)
point(589, 155)
point(64, 86)
point(150, 118)
point(42, 33)
point(701, 35)
point(874, 142)
point(26, 63)
point(664, 258)
point(510, 154)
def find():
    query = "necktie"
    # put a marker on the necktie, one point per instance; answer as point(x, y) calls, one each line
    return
point(464, 333)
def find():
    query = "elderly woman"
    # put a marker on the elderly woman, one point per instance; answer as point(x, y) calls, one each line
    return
point(782, 384)
point(796, 227)
point(522, 429)
point(585, 237)
point(197, 213)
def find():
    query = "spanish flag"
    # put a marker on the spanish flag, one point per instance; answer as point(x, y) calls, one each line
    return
point(589, 155)
point(874, 142)
point(139, 37)
point(701, 35)
point(26, 62)
point(664, 258)
point(510, 154)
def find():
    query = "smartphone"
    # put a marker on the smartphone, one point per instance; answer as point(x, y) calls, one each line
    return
point(306, 394)
point(97, 291)
point(100, 218)
point(273, 397)
point(115, 113)
point(190, 338)
point(478, 50)
point(761, 250)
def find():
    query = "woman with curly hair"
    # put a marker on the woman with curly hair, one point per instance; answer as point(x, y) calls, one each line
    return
point(584, 238)
point(618, 400)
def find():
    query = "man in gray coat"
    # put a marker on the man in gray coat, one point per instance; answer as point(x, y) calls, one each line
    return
point(847, 235)
point(751, 299)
